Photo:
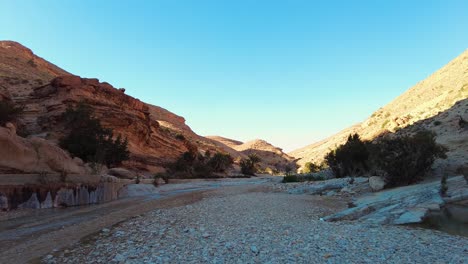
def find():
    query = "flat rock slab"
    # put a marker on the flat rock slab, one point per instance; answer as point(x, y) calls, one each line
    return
point(403, 205)
point(321, 187)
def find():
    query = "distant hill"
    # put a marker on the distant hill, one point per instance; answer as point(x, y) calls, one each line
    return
point(273, 158)
point(430, 104)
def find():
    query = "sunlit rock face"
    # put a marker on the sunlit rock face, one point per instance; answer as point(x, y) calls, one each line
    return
point(46, 91)
point(436, 104)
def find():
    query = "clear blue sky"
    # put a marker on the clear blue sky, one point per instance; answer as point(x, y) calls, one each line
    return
point(291, 72)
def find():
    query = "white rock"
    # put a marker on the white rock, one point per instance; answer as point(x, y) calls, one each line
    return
point(376, 183)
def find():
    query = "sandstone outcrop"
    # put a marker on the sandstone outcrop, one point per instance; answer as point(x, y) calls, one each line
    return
point(33, 155)
point(154, 134)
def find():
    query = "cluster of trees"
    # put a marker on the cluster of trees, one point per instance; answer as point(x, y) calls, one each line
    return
point(87, 139)
point(195, 165)
point(401, 160)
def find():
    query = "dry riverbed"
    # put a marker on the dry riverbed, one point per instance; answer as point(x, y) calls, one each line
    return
point(254, 224)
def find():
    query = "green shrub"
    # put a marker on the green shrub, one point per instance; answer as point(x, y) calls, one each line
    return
point(249, 165)
point(406, 160)
point(443, 186)
point(385, 123)
point(87, 139)
point(311, 167)
point(9, 112)
point(180, 137)
point(290, 178)
point(302, 178)
point(437, 123)
point(349, 159)
point(462, 123)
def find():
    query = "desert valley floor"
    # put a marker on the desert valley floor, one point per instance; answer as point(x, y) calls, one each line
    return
point(225, 221)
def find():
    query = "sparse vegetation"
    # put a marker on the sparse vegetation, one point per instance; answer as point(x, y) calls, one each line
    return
point(88, 140)
point(462, 123)
point(443, 185)
point(249, 165)
point(437, 123)
point(385, 123)
point(302, 178)
point(9, 112)
point(290, 178)
point(180, 137)
point(32, 63)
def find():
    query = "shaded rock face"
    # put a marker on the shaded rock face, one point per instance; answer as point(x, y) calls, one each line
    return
point(33, 155)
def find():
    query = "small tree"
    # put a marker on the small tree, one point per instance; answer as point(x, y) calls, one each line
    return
point(249, 165)
point(9, 112)
point(88, 140)
point(311, 167)
point(406, 160)
point(349, 159)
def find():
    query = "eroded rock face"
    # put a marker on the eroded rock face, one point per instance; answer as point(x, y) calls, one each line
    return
point(150, 146)
point(58, 195)
point(34, 155)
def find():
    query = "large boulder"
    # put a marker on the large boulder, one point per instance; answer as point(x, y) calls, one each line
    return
point(34, 155)
point(376, 183)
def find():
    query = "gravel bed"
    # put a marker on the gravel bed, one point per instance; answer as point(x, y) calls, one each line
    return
point(260, 227)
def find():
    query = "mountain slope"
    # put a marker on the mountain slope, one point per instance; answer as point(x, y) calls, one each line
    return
point(156, 136)
point(433, 99)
